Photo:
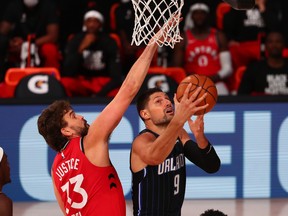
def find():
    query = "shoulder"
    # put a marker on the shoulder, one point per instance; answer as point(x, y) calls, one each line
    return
point(76, 37)
point(255, 68)
point(146, 134)
point(79, 35)
point(106, 38)
point(257, 64)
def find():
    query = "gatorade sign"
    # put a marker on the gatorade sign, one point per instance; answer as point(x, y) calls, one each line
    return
point(38, 84)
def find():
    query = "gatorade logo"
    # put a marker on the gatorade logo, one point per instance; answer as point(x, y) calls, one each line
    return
point(159, 81)
point(38, 84)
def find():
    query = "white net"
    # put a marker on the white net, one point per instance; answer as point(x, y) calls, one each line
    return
point(153, 15)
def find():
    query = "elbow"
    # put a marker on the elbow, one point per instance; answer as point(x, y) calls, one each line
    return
point(155, 161)
point(131, 87)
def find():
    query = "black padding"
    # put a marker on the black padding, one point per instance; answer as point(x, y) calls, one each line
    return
point(162, 81)
point(39, 85)
point(241, 4)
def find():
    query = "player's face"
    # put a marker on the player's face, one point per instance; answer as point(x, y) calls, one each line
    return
point(93, 25)
point(160, 108)
point(5, 170)
point(76, 123)
point(199, 18)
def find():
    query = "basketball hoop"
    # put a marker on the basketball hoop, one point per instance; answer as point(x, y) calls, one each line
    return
point(153, 15)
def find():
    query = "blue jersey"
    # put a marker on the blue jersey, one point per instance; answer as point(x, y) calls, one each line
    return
point(159, 190)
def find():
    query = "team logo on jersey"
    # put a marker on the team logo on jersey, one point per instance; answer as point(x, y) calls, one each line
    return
point(171, 164)
point(112, 184)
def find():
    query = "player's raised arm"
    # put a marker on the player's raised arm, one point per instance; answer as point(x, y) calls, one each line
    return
point(114, 111)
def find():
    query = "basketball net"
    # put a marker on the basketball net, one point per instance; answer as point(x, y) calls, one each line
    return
point(153, 15)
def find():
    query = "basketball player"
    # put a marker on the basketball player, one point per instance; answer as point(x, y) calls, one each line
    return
point(6, 204)
point(85, 182)
point(158, 153)
point(204, 50)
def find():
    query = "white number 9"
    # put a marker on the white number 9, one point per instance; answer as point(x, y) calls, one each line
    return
point(176, 184)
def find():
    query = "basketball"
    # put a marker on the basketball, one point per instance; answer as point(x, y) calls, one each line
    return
point(207, 86)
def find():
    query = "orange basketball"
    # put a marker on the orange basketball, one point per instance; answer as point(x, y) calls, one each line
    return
point(208, 87)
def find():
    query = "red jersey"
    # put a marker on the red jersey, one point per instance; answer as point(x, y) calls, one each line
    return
point(86, 189)
point(202, 55)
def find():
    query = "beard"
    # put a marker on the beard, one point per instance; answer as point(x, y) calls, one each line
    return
point(82, 131)
point(85, 129)
point(165, 120)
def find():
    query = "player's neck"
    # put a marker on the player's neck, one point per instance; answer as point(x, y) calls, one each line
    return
point(159, 129)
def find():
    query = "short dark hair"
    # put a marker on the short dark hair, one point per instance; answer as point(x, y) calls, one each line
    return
point(212, 212)
point(50, 123)
point(143, 99)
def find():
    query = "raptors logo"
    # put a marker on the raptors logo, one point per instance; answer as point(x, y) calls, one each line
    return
point(111, 177)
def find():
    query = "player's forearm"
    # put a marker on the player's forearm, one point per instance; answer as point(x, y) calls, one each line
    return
point(138, 71)
point(164, 144)
point(50, 37)
point(202, 141)
point(207, 158)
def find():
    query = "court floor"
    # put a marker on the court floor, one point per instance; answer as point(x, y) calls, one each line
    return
point(232, 207)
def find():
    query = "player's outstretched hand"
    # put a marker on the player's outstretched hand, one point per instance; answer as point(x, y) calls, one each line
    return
point(168, 29)
point(188, 104)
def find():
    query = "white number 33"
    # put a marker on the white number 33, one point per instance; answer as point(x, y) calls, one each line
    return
point(77, 181)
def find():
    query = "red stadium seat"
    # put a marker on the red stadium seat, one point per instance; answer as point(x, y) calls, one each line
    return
point(14, 75)
point(285, 53)
point(238, 76)
point(116, 37)
point(113, 16)
point(221, 10)
point(176, 73)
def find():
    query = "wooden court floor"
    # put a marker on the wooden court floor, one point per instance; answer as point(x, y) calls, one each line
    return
point(232, 207)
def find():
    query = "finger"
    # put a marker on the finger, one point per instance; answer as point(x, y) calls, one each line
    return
point(200, 120)
point(199, 108)
point(175, 99)
point(195, 95)
point(199, 100)
point(200, 117)
point(186, 92)
point(190, 121)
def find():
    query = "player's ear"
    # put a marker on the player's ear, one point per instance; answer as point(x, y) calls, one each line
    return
point(144, 114)
point(66, 132)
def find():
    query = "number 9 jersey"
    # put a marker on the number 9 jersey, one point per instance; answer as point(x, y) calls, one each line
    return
point(160, 189)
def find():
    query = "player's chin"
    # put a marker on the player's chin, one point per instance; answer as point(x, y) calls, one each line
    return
point(169, 116)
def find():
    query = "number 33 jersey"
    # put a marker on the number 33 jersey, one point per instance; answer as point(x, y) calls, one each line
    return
point(86, 189)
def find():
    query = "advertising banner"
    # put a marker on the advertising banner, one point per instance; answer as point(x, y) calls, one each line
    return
point(250, 138)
